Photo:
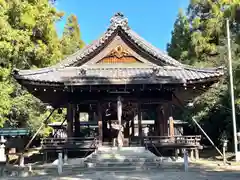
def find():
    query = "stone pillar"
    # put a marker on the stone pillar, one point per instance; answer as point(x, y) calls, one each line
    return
point(3, 157)
point(70, 118)
point(100, 128)
point(191, 154)
point(60, 163)
point(196, 153)
point(77, 121)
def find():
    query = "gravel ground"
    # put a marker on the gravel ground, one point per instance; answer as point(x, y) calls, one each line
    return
point(201, 175)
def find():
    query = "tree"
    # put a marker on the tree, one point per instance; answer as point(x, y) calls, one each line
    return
point(208, 47)
point(179, 46)
point(28, 39)
point(71, 40)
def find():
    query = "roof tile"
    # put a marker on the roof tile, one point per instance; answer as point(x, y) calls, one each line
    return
point(115, 74)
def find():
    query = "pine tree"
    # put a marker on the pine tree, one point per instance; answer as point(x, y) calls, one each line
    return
point(71, 40)
point(179, 46)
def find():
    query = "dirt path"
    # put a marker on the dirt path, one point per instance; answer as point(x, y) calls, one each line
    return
point(201, 175)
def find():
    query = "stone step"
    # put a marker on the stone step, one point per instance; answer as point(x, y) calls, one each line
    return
point(120, 151)
point(110, 167)
point(121, 164)
point(123, 160)
point(126, 155)
point(74, 170)
point(129, 169)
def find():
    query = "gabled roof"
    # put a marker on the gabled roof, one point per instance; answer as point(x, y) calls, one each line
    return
point(161, 69)
point(119, 25)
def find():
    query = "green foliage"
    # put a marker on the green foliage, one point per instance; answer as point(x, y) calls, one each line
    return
point(199, 39)
point(6, 90)
point(28, 39)
point(179, 46)
point(71, 40)
point(28, 35)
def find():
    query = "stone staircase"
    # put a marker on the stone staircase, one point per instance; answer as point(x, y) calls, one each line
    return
point(113, 159)
point(122, 159)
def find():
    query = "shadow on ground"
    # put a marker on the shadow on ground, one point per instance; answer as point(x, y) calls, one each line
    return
point(197, 171)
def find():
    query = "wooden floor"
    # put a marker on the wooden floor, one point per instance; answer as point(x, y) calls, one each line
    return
point(91, 143)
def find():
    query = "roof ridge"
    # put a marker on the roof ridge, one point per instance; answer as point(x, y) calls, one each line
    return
point(33, 71)
point(213, 69)
point(156, 52)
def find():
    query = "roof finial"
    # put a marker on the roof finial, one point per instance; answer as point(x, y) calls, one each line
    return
point(119, 20)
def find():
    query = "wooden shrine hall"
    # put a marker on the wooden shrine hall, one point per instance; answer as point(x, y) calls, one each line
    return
point(116, 80)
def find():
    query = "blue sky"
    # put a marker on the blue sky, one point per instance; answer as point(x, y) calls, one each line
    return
point(152, 19)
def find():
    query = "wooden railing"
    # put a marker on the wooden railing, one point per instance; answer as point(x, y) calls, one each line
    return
point(69, 144)
point(173, 141)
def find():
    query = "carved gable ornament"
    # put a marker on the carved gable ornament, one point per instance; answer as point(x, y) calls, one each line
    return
point(119, 52)
point(119, 55)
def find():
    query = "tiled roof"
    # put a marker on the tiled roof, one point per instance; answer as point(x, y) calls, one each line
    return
point(119, 24)
point(118, 75)
point(72, 71)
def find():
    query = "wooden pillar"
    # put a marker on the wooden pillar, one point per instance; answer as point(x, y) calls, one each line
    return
point(126, 129)
point(77, 121)
point(171, 126)
point(70, 118)
point(133, 127)
point(136, 126)
point(100, 127)
point(160, 129)
point(165, 113)
point(157, 122)
point(140, 134)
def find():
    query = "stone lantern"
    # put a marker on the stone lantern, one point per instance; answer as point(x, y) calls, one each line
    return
point(3, 158)
point(238, 139)
point(224, 143)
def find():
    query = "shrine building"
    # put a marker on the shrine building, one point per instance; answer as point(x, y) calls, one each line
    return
point(116, 80)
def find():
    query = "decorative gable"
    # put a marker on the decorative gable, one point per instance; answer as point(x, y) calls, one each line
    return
point(119, 30)
point(119, 54)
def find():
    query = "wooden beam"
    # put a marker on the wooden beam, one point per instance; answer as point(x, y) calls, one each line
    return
point(100, 127)
point(133, 126)
point(140, 134)
point(157, 123)
point(70, 118)
point(77, 121)
point(160, 129)
point(165, 113)
point(126, 129)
